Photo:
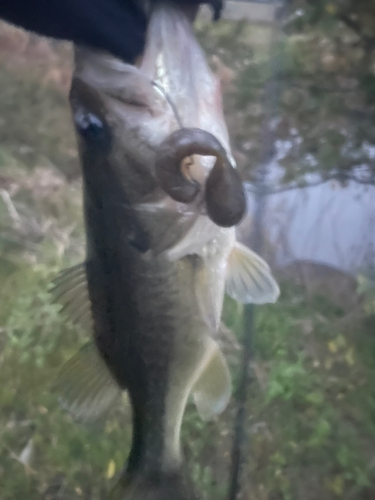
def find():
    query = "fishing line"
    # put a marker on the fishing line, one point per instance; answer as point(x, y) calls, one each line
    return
point(170, 102)
point(271, 98)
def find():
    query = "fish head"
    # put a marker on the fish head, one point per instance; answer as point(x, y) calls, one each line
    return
point(168, 137)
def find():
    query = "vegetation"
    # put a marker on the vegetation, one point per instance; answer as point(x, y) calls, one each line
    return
point(322, 95)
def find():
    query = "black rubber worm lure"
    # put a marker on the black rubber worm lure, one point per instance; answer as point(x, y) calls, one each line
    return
point(224, 193)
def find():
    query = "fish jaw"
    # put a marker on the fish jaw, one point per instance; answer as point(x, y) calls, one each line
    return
point(171, 88)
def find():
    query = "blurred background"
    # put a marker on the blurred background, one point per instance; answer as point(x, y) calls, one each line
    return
point(299, 97)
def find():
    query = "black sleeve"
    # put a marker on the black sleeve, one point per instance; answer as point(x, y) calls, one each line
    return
point(117, 26)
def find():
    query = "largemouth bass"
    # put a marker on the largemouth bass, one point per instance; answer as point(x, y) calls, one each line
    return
point(161, 198)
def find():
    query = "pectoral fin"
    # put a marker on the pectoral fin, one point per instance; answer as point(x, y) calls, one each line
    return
point(212, 390)
point(249, 278)
point(85, 387)
point(70, 290)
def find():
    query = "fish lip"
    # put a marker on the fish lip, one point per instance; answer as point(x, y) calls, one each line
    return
point(133, 104)
point(121, 82)
point(149, 106)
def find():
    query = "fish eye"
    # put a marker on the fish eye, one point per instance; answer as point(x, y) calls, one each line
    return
point(94, 131)
point(89, 125)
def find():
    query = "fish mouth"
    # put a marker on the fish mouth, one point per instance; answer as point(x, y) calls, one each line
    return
point(169, 104)
point(223, 190)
